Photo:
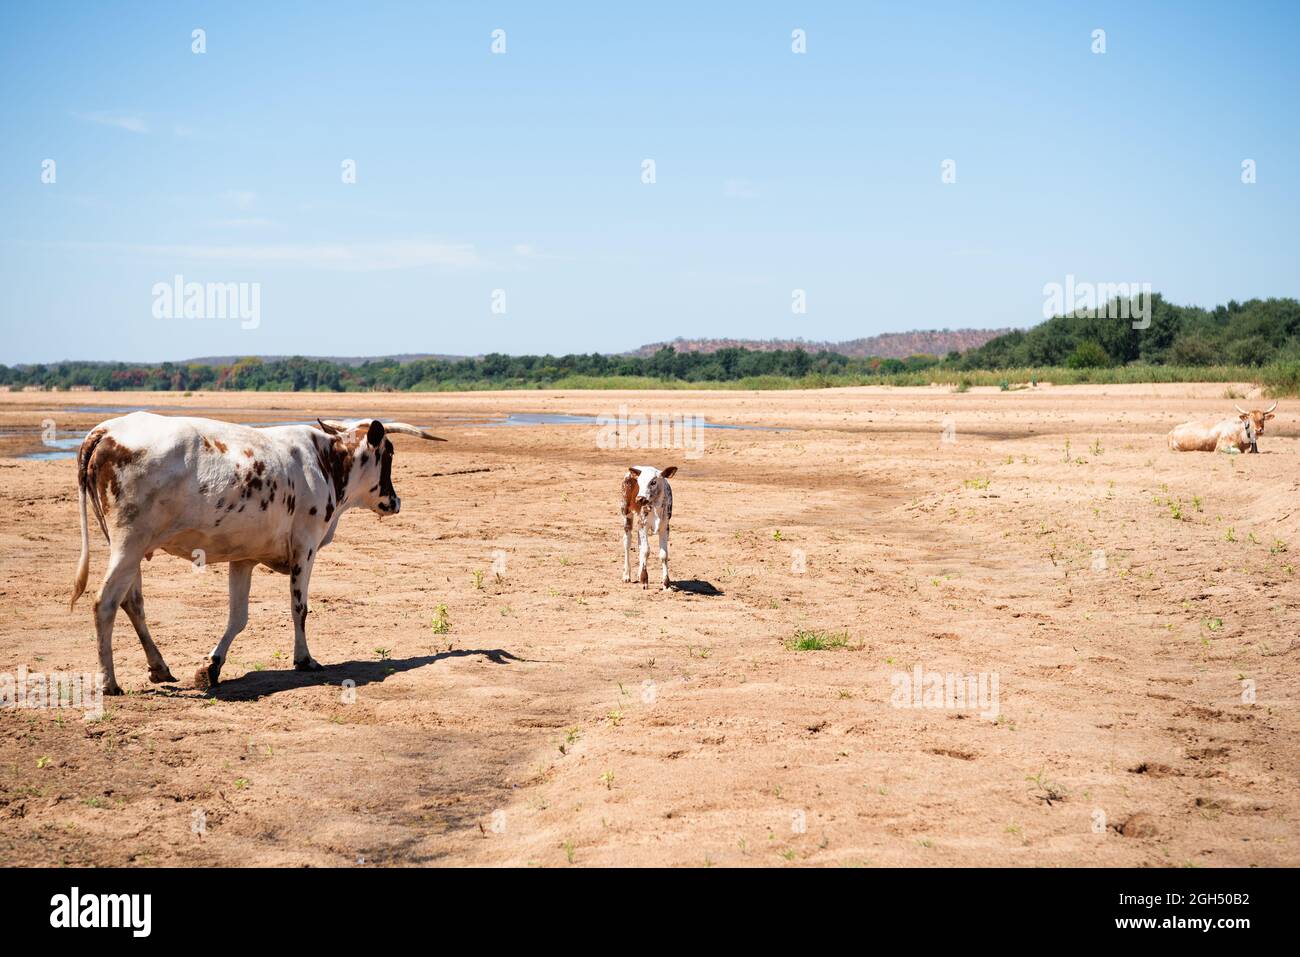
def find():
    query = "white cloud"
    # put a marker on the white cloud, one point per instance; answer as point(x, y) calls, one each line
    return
point(122, 121)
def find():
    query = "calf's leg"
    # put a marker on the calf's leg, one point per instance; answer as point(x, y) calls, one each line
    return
point(627, 547)
point(643, 576)
point(241, 579)
point(663, 549)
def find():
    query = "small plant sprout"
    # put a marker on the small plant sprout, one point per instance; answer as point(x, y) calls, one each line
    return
point(441, 623)
point(607, 779)
point(478, 579)
point(817, 641)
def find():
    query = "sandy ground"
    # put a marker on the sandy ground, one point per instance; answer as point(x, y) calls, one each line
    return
point(567, 718)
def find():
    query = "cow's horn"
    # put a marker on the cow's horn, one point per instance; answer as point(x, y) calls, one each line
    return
point(330, 428)
point(405, 429)
point(1270, 408)
point(1240, 409)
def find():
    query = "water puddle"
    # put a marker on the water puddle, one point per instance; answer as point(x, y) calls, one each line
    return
point(59, 447)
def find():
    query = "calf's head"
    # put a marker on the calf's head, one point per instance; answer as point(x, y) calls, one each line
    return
point(1257, 420)
point(362, 462)
point(649, 484)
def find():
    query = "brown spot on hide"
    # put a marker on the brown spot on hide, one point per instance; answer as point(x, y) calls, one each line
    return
point(105, 461)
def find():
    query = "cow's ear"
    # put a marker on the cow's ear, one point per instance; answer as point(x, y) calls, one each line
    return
point(1270, 415)
point(633, 472)
point(376, 434)
point(669, 472)
point(1245, 416)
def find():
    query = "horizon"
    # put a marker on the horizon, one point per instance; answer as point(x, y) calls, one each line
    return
point(521, 172)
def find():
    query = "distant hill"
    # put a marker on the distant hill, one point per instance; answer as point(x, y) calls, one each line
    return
point(350, 361)
point(889, 345)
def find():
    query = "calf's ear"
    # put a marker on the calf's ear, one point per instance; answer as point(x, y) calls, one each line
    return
point(669, 472)
point(376, 434)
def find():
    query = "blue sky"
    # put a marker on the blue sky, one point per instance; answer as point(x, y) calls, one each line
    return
point(522, 172)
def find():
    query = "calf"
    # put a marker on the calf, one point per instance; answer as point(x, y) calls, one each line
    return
point(212, 491)
point(647, 496)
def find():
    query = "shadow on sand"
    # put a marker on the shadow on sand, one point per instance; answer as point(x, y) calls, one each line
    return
point(696, 586)
point(258, 684)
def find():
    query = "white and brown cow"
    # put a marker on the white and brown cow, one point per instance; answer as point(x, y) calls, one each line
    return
point(214, 491)
point(648, 497)
point(1214, 435)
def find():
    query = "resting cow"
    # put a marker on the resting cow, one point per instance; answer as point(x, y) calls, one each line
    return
point(1210, 435)
point(218, 492)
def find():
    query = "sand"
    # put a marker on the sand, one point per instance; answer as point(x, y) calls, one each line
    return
point(1124, 598)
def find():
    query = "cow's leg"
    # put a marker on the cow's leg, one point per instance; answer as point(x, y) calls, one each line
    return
point(123, 567)
point(299, 581)
point(241, 579)
point(663, 549)
point(133, 605)
point(643, 576)
point(627, 547)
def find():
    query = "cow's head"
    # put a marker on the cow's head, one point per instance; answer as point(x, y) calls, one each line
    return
point(363, 462)
point(1257, 420)
point(649, 484)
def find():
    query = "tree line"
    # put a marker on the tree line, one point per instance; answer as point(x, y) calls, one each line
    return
point(491, 371)
point(1255, 333)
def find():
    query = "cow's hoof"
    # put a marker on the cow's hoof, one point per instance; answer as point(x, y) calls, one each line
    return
point(668, 586)
point(307, 664)
point(208, 676)
point(162, 675)
point(113, 689)
point(627, 578)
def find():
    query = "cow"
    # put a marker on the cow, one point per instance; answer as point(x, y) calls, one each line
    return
point(1258, 419)
point(1209, 435)
point(648, 497)
point(211, 491)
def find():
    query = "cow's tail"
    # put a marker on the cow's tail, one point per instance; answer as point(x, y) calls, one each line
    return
point(83, 563)
point(86, 489)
